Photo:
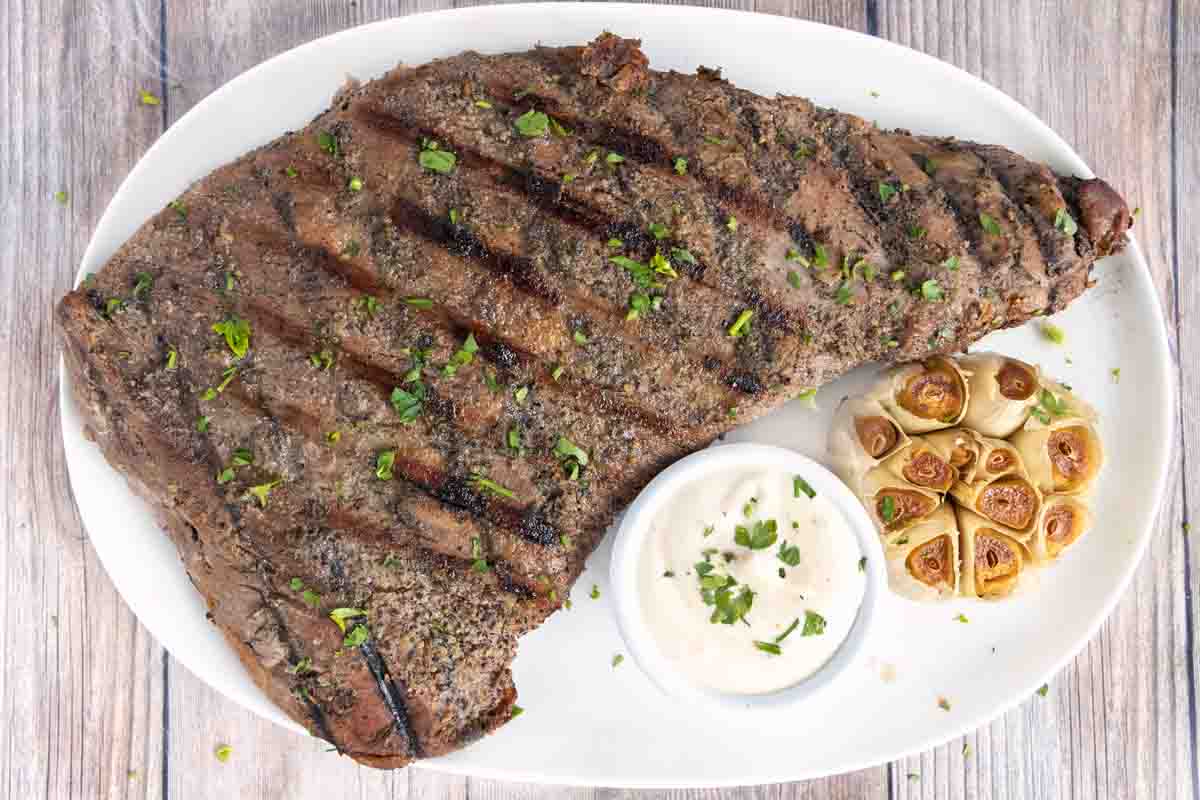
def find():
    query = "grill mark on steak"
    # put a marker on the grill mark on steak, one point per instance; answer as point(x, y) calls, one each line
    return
point(549, 195)
point(636, 397)
point(393, 697)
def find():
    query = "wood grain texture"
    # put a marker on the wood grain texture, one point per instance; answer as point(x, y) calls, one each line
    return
point(81, 692)
point(92, 707)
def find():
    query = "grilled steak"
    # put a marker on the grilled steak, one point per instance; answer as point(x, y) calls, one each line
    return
point(387, 379)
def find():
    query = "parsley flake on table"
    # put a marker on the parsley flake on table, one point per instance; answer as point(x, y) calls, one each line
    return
point(595, 592)
point(223, 751)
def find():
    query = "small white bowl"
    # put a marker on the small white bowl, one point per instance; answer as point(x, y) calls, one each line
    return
point(630, 542)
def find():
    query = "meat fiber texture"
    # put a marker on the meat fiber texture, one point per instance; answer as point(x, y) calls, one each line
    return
point(434, 380)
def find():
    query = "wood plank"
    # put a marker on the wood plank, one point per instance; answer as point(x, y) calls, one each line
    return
point(1186, 114)
point(81, 681)
point(1115, 723)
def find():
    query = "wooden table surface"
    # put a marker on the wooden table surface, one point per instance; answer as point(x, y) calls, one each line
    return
point(92, 707)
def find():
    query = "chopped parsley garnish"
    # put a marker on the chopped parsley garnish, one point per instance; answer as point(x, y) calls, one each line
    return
point(322, 360)
point(482, 104)
point(409, 404)
point(916, 232)
point(1064, 222)
point(614, 158)
point(862, 564)
point(572, 457)
point(227, 377)
point(328, 142)
point(769, 647)
point(301, 667)
point(172, 358)
point(385, 463)
point(179, 208)
point(951, 263)
point(557, 128)
point(659, 230)
point(434, 159)
point(989, 224)
point(615, 244)
point(558, 371)
point(516, 712)
point(661, 266)
point(680, 165)
point(242, 457)
point(1049, 406)
point(930, 167)
point(708, 531)
point(732, 224)
point(932, 291)
point(808, 396)
point(788, 554)
point(478, 561)
point(638, 304)
point(715, 139)
point(1053, 333)
point(149, 99)
point(341, 616)
point(1116, 374)
point(422, 303)
point(532, 123)
point(843, 296)
point(800, 485)
point(759, 536)
point(887, 508)
point(741, 326)
point(333, 437)
point(355, 184)
point(886, 191)
point(237, 335)
point(290, 171)
point(357, 636)
point(462, 357)
point(962, 618)
point(296, 584)
point(595, 593)
point(793, 278)
point(679, 254)
point(145, 281)
point(898, 275)
point(643, 276)
point(814, 624)
point(481, 482)
point(1043, 690)
point(202, 424)
point(520, 394)
point(513, 440)
point(225, 476)
point(223, 751)
point(820, 256)
point(617, 659)
point(579, 337)
point(263, 490)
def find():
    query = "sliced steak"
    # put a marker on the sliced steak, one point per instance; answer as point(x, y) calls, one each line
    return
point(465, 315)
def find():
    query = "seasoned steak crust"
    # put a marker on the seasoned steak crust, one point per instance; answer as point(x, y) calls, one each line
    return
point(454, 337)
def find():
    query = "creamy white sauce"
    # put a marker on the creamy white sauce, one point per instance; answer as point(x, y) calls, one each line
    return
point(826, 581)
